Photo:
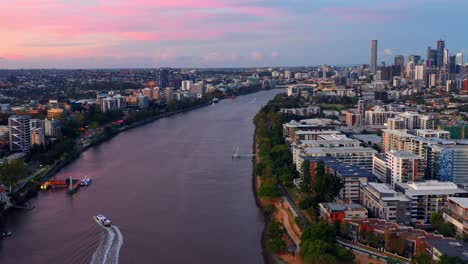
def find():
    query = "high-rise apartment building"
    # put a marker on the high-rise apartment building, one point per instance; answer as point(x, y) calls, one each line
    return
point(20, 133)
point(373, 62)
point(400, 60)
point(52, 128)
point(405, 167)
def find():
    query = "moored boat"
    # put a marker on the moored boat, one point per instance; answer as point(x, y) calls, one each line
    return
point(86, 182)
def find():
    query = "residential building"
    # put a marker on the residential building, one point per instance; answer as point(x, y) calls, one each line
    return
point(385, 203)
point(337, 212)
point(353, 119)
point(456, 213)
point(451, 247)
point(52, 128)
point(108, 104)
point(352, 176)
point(38, 137)
point(430, 133)
point(143, 101)
point(449, 163)
point(405, 166)
point(377, 116)
point(396, 139)
point(20, 133)
point(429, 197)
point(55, 113)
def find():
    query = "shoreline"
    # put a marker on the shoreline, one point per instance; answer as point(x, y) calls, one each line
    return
point(29, 191)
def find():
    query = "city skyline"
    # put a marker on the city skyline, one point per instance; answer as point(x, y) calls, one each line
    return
point(237, 33)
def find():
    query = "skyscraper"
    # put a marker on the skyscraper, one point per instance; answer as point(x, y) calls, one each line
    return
point(20, 133)
point(440, 53)
point(431, 57)
point(400, 60)
point(374, 56)
point(452, 66)
point(459, 59)
point(415, 59)
point(162, 78)
point(446, 58)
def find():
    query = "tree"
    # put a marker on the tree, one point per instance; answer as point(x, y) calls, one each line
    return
point(444, 228)
point(269, 190)
point(308, 203)
point(445, 259)
point(317, 251)
point(305, 171)
point(276, 245)
point(327, 187)
point(11, 173)
point(421, 259)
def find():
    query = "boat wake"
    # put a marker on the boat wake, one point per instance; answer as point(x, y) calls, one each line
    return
point(110, 243)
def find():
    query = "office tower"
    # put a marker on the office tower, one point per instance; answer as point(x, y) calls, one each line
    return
point(415, 59)
point(459, 59)
point(400, 60)
point(452, 66)
point(419, 72)
point(446, 59)
point(440, 53)
point(52, 128)
point(374, 56)
point(162, 78)
point(431, 57)
point(20, 133)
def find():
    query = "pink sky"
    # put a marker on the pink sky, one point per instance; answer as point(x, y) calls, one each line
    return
point(68, 33)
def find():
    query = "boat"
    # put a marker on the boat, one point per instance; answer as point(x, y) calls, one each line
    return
point(86, 182)
point(7, 233)
point(102, 220)
point(215, 100)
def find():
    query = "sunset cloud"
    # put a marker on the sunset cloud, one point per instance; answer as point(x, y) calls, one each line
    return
point(209, 32)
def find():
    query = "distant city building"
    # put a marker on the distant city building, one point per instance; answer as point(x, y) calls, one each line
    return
point(143, 101)
point(38, 137)
point(109, 104)
point(52, 128)
point(373, 62)
point(20, 133)
point(55, 113)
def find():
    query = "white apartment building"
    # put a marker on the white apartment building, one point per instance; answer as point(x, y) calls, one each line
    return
point(20, 133)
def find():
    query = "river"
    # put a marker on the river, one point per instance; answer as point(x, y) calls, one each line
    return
point(170, 187)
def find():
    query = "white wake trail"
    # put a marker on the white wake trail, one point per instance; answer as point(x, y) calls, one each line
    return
point(108, 244)
point(118, 244)
point(98, 253)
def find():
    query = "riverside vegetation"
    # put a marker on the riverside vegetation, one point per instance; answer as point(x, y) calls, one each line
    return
point(274, 167)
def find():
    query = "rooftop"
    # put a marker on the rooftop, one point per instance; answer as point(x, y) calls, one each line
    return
point(463, 202)
point(341, 207)
point(451, 247)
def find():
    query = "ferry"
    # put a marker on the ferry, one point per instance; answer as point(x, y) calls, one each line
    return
point(102, 220)
point(86, 182)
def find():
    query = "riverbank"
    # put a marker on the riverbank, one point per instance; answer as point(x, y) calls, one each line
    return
point(31, 188)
